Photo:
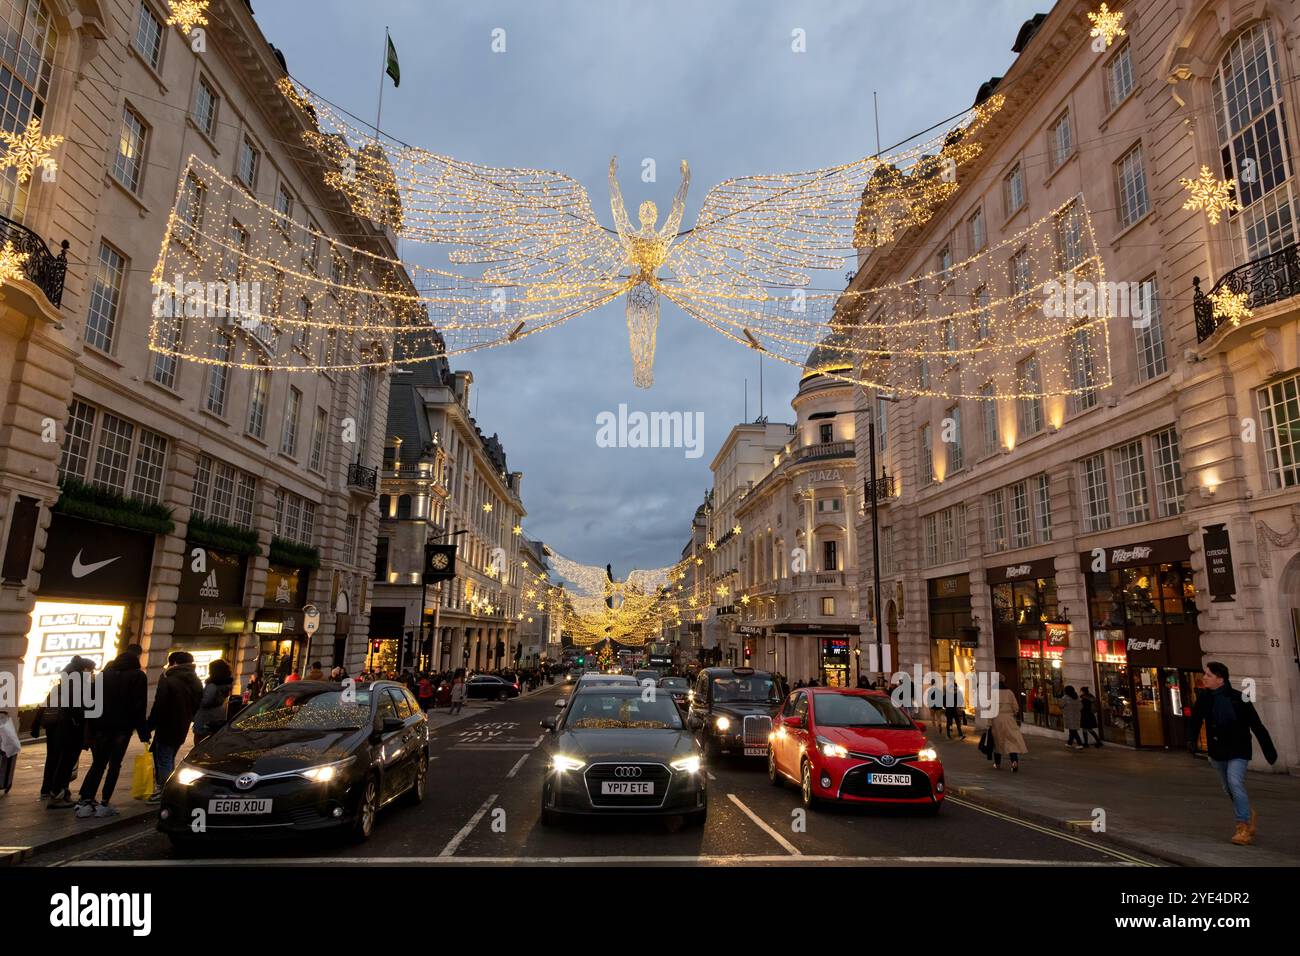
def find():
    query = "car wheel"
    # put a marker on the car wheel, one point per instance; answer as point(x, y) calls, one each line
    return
point(712, 749)
point(810, 801)
point(697, 819)
point(549, 817)
point(367, 808)
point(415, 795)
point(773, 775)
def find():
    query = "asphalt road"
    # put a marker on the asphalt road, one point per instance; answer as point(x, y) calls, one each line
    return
point(483, 808)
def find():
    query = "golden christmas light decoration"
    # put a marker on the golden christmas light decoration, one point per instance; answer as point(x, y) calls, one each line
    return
point(1211, 194)
point(517, 530)
point(535, 233)
point(29, 149)
point(187, 14)
point(1231, 306)
point(1106, 23)
point(11, 263)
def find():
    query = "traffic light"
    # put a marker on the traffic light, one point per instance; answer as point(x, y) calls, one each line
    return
point(581, 661)
point(749, 652)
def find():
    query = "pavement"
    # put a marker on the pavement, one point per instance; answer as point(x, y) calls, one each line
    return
point(27, 829)
point(1166, 804)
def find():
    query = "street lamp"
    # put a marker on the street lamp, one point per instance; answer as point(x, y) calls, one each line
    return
point(877, 489)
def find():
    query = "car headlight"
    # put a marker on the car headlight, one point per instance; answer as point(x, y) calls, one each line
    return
point(687, 764)
point(326, 772)
point(723, 723)
point(186, 775)
point(831, 749)
point(928, 753)
point(561, 763)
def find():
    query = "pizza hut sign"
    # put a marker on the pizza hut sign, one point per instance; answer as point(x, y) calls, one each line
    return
point(1127, 555)
point(1018, 571)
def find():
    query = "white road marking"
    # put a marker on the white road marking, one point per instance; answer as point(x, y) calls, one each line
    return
point(710, 776)
point(468, 828)
point(722, 860)
point(1131, 860)
point(518, 763)
point(493, 747)
point(539, 740)
point(785, 844)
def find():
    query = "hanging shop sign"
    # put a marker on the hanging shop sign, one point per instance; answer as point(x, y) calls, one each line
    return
point(286, 586)
point(1058, 634)
point(1218, 563)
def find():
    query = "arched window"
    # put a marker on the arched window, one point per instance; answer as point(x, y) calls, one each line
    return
point(404, 506)
point(384, 505)
point(1253, 142)
point(27, 42)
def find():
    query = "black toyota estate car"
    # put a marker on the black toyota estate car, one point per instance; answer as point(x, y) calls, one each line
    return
point(617, 750)
point(309, 756)
point(735, 706)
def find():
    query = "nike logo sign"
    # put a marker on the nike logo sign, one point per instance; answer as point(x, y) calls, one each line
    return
point(80, 570)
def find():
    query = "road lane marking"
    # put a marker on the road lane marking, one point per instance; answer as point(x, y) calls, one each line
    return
point(518, 763)
point(710, 776)
point(1133, 860)
point(539, 740)
point(785, 844)
point(708, 860)
point(454, 843)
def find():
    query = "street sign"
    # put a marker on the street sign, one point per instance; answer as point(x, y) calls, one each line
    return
point(310, 619)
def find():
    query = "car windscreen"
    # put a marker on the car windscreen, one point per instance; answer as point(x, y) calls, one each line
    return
point(619, 710)
point(753, 688)
point(850, 710)
point(318, 708)
point(674, 683)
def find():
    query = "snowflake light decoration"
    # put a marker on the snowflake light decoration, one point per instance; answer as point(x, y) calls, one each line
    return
point(1213, 195)
point(1106, 23)
point(29, 149)
point(1231, 306)
point(11, 263)
point(188, 14)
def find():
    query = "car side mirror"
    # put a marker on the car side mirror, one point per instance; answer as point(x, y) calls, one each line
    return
point(795, 722)
point(695, 723)
point(549, 723)
point(563, 701)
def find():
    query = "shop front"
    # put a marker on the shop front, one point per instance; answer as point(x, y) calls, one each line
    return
point(282, 641)
point(833, 660)
point(1028, 641)
point(91, 600)
point(953, 637)
point(1146, 643)
point(210, 614)
point(387, 626)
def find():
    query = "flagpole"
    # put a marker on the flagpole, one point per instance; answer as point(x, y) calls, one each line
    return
point(383, 71)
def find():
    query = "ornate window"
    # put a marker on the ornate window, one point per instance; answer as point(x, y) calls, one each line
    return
point(27, 42)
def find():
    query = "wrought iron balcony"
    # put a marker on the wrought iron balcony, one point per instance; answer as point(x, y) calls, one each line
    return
point(359, 476)
point(42, 267)
point(1265, 280)
point(827, 449)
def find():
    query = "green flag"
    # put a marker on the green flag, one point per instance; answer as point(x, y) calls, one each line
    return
point(393, 70)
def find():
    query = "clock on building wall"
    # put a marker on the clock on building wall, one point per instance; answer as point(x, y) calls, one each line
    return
point(439, 562)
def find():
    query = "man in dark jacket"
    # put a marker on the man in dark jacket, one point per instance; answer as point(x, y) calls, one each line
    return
point(123, 692)
point(174, 704)
point(63, 716)
point(1229, 720)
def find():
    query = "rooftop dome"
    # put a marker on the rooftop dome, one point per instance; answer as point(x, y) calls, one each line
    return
point(830, 355)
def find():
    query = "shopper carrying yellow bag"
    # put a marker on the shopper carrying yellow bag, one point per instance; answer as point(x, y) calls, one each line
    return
point(142, 776)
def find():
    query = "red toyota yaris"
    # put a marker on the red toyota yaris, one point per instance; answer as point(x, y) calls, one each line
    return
point(853, 746)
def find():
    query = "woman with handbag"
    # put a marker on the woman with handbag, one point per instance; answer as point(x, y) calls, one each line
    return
point(1007, 738)
point(211, 715)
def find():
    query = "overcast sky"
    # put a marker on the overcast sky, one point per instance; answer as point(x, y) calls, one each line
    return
point(714, 82)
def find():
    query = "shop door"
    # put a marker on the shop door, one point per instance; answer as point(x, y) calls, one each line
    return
point(835, 675)
point(1178, 699)
point(1149, 705)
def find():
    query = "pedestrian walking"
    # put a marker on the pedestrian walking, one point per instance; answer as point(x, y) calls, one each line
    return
point(123, 692)
point(425, 693)
point(1007, 738)
point(315, 673)
point(63, 717)
point(1229, 720)
point(1072, 715)
point(175, 703)
point(955, 711)
point(211, 715)
point(1088, 716)
point(458, 690)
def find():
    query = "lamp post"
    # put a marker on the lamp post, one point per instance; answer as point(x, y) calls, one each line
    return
point(876, 489)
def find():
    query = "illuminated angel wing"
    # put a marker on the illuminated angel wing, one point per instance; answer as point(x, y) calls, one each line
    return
point(774, 230)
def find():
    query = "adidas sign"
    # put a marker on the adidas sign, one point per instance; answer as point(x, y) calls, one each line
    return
point(210, 589)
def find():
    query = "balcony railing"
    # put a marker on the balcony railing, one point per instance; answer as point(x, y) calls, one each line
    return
point(818, 579)
point(1266, 280)
point(359, 476)
point(826, 449)
point(42, 267)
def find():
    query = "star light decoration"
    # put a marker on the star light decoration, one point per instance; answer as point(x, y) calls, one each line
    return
point(1106, 23)
point(29, 149)
point(1231, 306)
point(188, 14)
point(1211, 194)
point(11, 263)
